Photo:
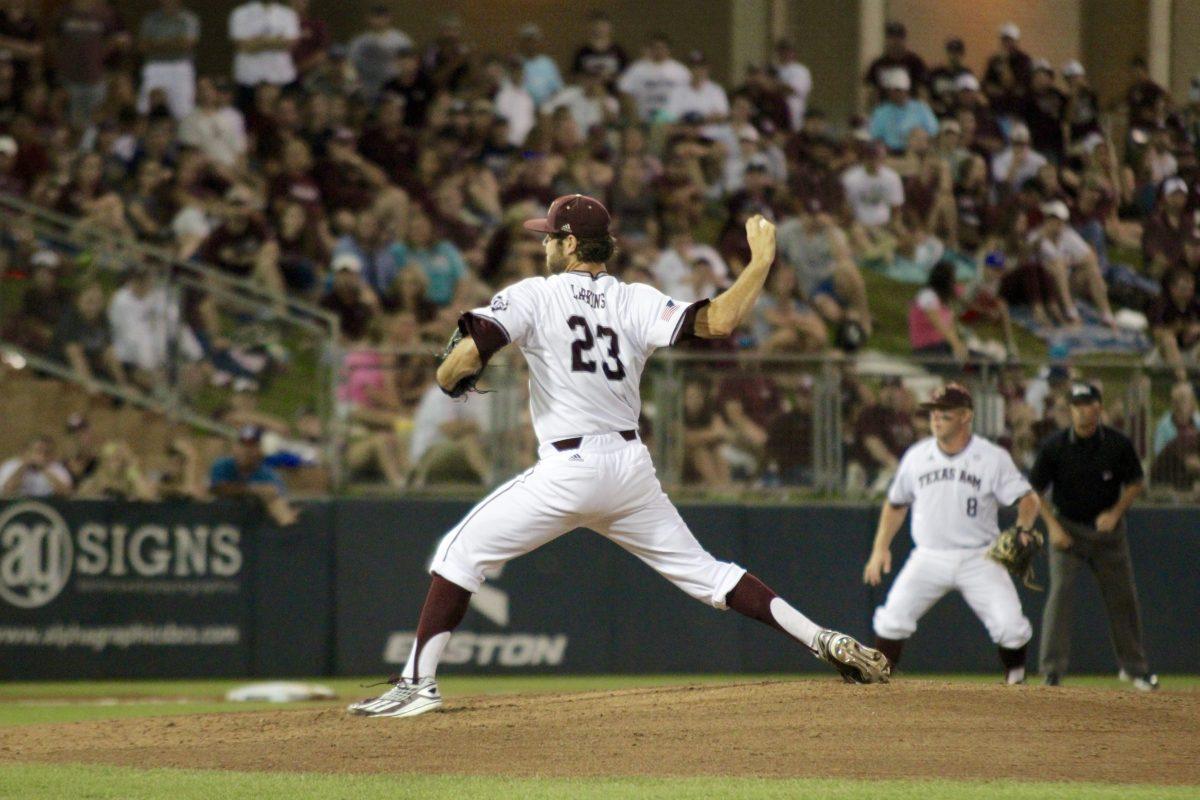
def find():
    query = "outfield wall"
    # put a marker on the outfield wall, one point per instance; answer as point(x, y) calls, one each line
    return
point(95, 589)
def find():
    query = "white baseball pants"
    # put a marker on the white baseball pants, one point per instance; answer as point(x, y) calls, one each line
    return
point(930, 574)
point(607, 484)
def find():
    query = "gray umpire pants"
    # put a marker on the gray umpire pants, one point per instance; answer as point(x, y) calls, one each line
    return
point(1107, 555)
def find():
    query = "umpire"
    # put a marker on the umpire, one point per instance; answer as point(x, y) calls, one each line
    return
point(1096, 477)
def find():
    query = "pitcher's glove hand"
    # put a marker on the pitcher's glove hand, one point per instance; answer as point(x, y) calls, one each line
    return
point(466, 384)
point(1016, 555)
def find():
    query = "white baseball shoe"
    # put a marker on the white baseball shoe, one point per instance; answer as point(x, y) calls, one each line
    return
point(1143, 683)
point(856, 662)
point(404, 699)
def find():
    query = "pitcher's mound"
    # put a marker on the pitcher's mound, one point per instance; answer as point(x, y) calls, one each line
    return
point(809, 728)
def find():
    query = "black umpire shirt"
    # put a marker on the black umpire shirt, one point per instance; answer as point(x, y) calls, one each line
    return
point(1087, 474)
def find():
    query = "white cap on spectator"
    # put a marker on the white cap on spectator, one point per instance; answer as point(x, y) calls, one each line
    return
point(1009, 30)
point(748, 133)
point(190, 222)
point(45, 258)
point(347, 261)
point(1019, 133)
point(1043, 65)
point(8, 145)
point(1091, 142)
point(949, 125)
point(1056, 208)
point(1174, 184)
point(966, 81)
point(1072, 69)
point(896, 79)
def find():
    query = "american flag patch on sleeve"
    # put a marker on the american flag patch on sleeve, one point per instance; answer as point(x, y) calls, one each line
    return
point(669, 311)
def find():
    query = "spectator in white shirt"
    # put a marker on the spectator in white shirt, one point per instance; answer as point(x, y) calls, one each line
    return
point(796, 77)
point(1070, 261)
point(875, 195)
point(1018, 162)
point(449, 434)
point(263, 35)
point(699, 95)
point(675, 270)
point(215, 127)
point(35, 473)
point(145, 325)
point(650, 80)
point(373, 52)
point(513, 103)
point(588, 100)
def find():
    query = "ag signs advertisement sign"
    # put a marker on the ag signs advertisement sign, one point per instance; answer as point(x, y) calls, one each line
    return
point(124, 589)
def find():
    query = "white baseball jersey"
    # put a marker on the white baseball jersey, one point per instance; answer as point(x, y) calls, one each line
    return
point(954, 498)
point(586, 341)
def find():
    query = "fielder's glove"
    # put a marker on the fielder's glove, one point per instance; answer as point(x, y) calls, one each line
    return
point(466, 384)
point(1016, 557)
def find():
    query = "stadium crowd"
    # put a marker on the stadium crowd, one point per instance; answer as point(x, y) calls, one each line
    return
point(384, 179)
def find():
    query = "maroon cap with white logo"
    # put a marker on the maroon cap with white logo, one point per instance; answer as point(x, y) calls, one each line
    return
point(575, 214)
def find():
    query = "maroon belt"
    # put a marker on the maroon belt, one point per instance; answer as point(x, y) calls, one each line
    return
point(573, 443)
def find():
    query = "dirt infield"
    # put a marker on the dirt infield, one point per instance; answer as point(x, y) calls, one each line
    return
point(909, 729)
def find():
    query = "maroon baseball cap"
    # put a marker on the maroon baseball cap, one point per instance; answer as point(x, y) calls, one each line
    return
point(952, 395)
point(576, 214)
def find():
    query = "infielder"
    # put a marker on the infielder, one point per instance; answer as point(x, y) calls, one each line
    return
point(586, 337)
point(954, 481)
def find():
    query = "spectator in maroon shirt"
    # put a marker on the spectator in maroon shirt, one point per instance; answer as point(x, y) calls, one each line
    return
point(413, 86)
point(244, 244)
point(1010, 71)
point(884, 429)
point(43, 304)
point(89, 32)
point(895, 55)
point(1175, 321)
point(1045, 112)
point(348, 180)
point(295, 183)
point(21, 38)
point(311, 49)
point(350, 298)
point(11, 181)
point(1166, 230)
point(1145, 98)
point(387, 142)
point(749, 403)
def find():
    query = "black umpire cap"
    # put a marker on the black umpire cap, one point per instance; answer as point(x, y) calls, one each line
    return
point(1083, 392)
point(952, 395)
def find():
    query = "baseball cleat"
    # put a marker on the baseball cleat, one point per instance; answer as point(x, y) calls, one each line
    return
point(856, 662)
point(404, 699)
point(1143, 683)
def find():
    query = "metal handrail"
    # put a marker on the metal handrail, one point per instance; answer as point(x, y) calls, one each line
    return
point(74, 234)
point(148, 402)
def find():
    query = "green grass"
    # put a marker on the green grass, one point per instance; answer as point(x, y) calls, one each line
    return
point(889, 301)
point(118, 783)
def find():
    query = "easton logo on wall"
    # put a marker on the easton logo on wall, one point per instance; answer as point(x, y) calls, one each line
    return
point(487, 649)
point(39, 554)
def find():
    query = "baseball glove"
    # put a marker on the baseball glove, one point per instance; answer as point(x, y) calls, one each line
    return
point(466, 384)
point(1016, 557)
